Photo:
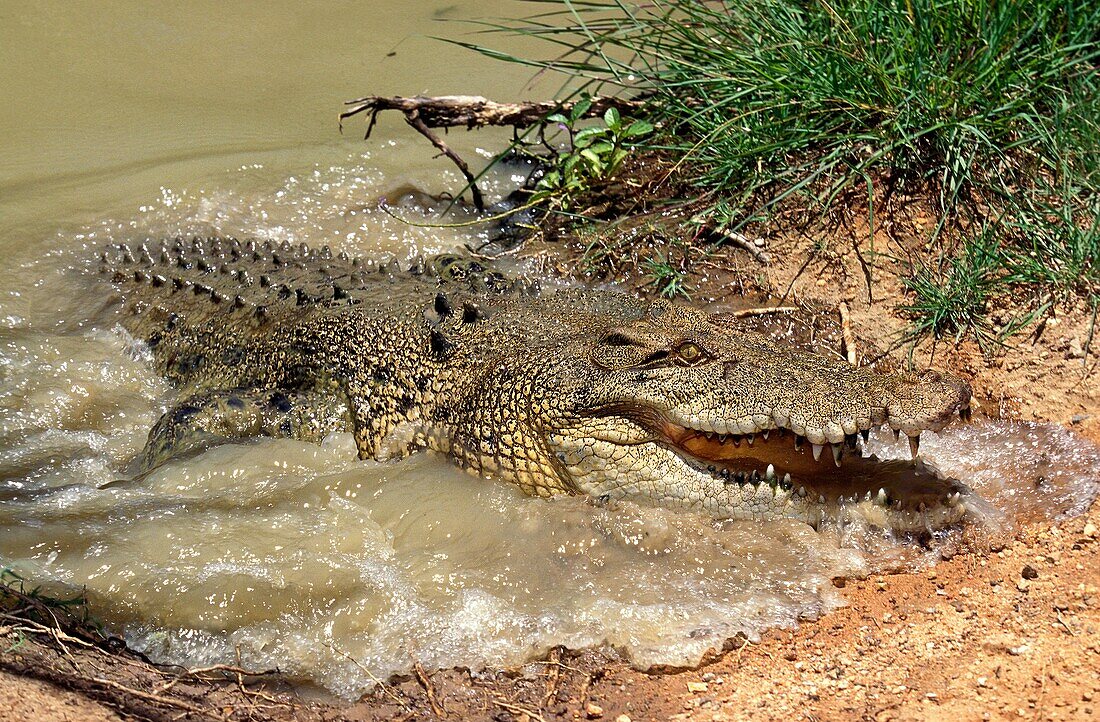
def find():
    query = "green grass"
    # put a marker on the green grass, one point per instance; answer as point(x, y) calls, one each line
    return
point(951, 300)
point(987, 109)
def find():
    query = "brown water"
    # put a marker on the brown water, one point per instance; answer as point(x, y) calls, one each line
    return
point(148, 120)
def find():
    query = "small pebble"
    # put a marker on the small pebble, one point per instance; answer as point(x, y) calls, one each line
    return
point(1028, 572)
point(623, 718)
point(697, 686)
point(1089, 530)
point(593, 710)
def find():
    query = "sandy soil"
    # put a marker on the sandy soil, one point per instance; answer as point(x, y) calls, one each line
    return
point(1011, 634)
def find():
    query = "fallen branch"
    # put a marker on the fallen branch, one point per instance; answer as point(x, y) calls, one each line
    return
point(154, 698)
point(474, 111)
point(423, 113)
point(739, 240)
point(762, 311)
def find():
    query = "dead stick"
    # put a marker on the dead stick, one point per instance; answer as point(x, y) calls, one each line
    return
point(474, 111)
point(413, 118)
point(516, 709)
point(746, 312)
point(149, 697)
point(846, 334)
point(429, 691)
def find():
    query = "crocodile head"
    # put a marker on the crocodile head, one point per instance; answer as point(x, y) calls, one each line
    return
point(678, 408)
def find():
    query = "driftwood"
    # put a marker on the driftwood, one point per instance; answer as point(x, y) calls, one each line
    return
point(472, 111)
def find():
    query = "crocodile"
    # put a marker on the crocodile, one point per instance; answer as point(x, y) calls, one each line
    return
point(559, 391)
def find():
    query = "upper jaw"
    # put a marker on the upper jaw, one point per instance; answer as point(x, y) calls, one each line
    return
point(907, 403)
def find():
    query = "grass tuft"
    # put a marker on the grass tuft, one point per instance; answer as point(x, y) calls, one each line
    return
point(952, 299)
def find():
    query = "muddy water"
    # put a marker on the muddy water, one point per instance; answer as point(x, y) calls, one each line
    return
point(127, 124)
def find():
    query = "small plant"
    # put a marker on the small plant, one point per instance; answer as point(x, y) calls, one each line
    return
point(1055, 248)
point(37, 605)
point(668, 280)
point(951, 300)
point(596, 152)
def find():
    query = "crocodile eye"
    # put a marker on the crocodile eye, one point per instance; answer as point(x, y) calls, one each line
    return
point(689, 352)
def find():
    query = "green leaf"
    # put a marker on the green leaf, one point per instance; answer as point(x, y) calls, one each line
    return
point(557, 118)
point(581, 107)
point(549, 180)
point(611, 117)
point(637, 129)
point(617, 159)
point(586, 136)
point(591, 155)
point(602, 147)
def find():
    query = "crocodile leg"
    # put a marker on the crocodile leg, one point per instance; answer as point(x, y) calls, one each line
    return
point(207, 419)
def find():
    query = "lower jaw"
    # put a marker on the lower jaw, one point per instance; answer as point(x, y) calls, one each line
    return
point(758, 507)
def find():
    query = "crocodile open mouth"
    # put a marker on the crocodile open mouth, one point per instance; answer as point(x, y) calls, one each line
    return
point(829, 473)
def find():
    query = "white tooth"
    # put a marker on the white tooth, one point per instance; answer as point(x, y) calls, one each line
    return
point(880, 499)
point(820, 498)
point(897, 434)
point(834, 432)
point(801, 490)
point(867, 496)
point(914, 445)
point(765, 433)
point(836, 454)
point(953, 499)
point(750, 438)
point(817, 452)
point(771, 471)
point(787, 479)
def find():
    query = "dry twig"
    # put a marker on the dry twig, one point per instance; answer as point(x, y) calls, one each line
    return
point(516, 709)
point(150, 697)
point(429, 691)
point(762, 311)
point(386, 689)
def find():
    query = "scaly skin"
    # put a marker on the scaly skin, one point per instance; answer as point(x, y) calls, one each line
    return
point(580, 392)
